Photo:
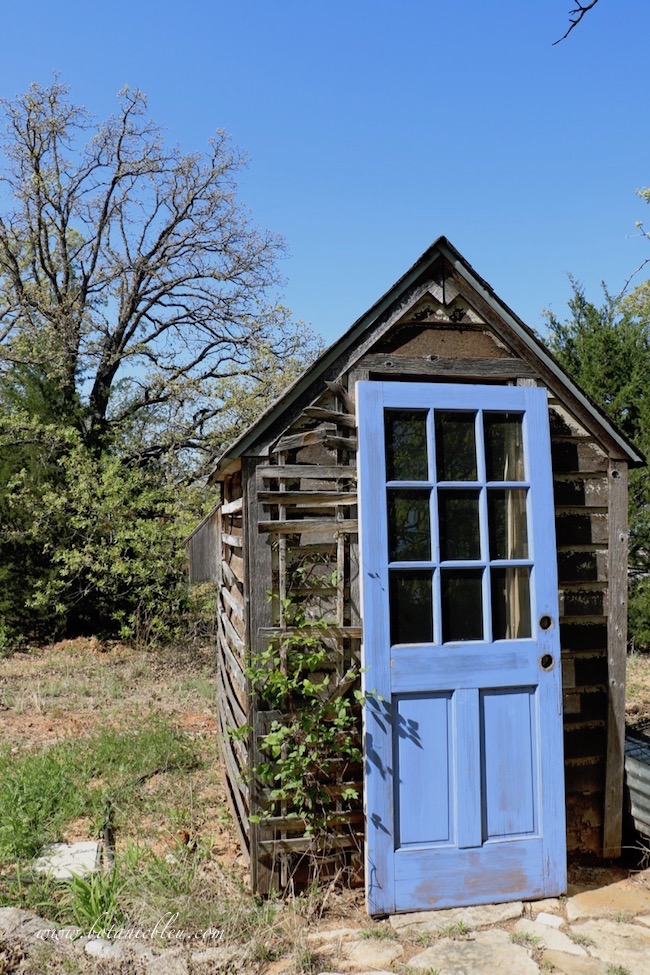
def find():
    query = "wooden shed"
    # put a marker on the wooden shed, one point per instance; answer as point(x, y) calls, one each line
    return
point(443, 509)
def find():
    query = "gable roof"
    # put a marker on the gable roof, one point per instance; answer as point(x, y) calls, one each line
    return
point(440, 248)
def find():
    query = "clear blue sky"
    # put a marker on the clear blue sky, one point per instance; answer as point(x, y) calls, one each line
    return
point(372, 127)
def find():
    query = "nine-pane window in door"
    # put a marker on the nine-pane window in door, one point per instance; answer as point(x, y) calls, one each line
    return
point(457, 505)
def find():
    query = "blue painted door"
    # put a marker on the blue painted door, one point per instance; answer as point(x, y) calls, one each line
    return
point(463, 721)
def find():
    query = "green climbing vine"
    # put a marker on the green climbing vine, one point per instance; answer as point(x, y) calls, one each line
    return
point(311, 748)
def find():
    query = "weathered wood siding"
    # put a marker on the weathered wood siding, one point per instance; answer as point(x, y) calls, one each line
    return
point(306, 498)
point(232, 691)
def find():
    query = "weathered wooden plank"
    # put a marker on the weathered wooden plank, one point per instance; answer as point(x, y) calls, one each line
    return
point(339, 390)
point(305, 438)
point(309, 844)
point(306, 525)
point(576, 456)
point(233, 541)
point(226, 688)
point(580, 526)
point(236, 641)
point(307, 499)
point(236, 564)
point(233, 666)
point(293, 825)
point(232, 507)
point(590, 566)
point(308, 471)
point(229, 576)
point(234, 600)
point(616, 660)
point(327, 632)
point(584, 491)
point(466, 368)
point(339, 419)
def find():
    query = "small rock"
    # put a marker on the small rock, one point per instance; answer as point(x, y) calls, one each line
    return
point(643, 919)
point(549, 937)
point(105, 950)
point(480, 916)
point(551, 920)
point(488, 952)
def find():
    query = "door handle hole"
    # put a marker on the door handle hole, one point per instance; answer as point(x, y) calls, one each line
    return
point(545, 622)
point(546, 661)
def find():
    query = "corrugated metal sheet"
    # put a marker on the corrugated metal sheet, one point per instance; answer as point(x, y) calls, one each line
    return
point(637, 775)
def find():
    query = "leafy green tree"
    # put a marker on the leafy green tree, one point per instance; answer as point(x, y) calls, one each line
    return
point(606, 348)
point(139, 328)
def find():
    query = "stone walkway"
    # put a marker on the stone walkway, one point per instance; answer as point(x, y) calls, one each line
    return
point(597, 932)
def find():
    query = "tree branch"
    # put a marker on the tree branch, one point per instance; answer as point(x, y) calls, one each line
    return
point(575, 16)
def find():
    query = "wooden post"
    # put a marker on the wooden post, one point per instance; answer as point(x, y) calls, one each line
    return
point(616, 659)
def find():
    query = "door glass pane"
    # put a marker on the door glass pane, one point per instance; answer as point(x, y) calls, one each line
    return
point(462, 604)
point(409, 532)
point(411, 607)
point(504, 446)
point(455, 446)
point(511, 603)
point(507, 524)
point(459, 525)
point(406, 445)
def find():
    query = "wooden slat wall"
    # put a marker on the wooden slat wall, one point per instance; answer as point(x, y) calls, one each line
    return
point(306, 495)
point(232, 691)
point(582, 520)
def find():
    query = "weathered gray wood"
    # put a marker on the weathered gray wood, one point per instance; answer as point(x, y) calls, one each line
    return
point(331, 416)
point(307, 471)
point(234, 639)
point(307, 525)
point(232, 507)
point(229, 576)
point(309, 844)
point(258, 581)
point(306, 499)
point(305, 438)
point(234, 541)
point(231, 662)
point(343, 395)
point(518, 346)
point(234, 600)
point(465, 368)
point(327, 632)
point(616, 659)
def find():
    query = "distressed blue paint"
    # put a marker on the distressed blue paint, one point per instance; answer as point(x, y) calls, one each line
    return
point(509, 748)
point(423, 766)
point(470, 808)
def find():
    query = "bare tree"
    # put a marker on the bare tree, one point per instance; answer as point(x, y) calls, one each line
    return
point(130, 272)
point(575, 16)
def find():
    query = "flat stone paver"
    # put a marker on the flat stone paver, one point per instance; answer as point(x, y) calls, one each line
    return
point(435, 922)
point(369, 953)
point(551, 904)
point(485, 953)
point(574, 964)
point(549, 937)
point(618, 943)
point(63, 860)
point(627, 896)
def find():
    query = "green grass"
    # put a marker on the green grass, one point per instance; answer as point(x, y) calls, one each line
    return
point(525, 940)
point(43, 791)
